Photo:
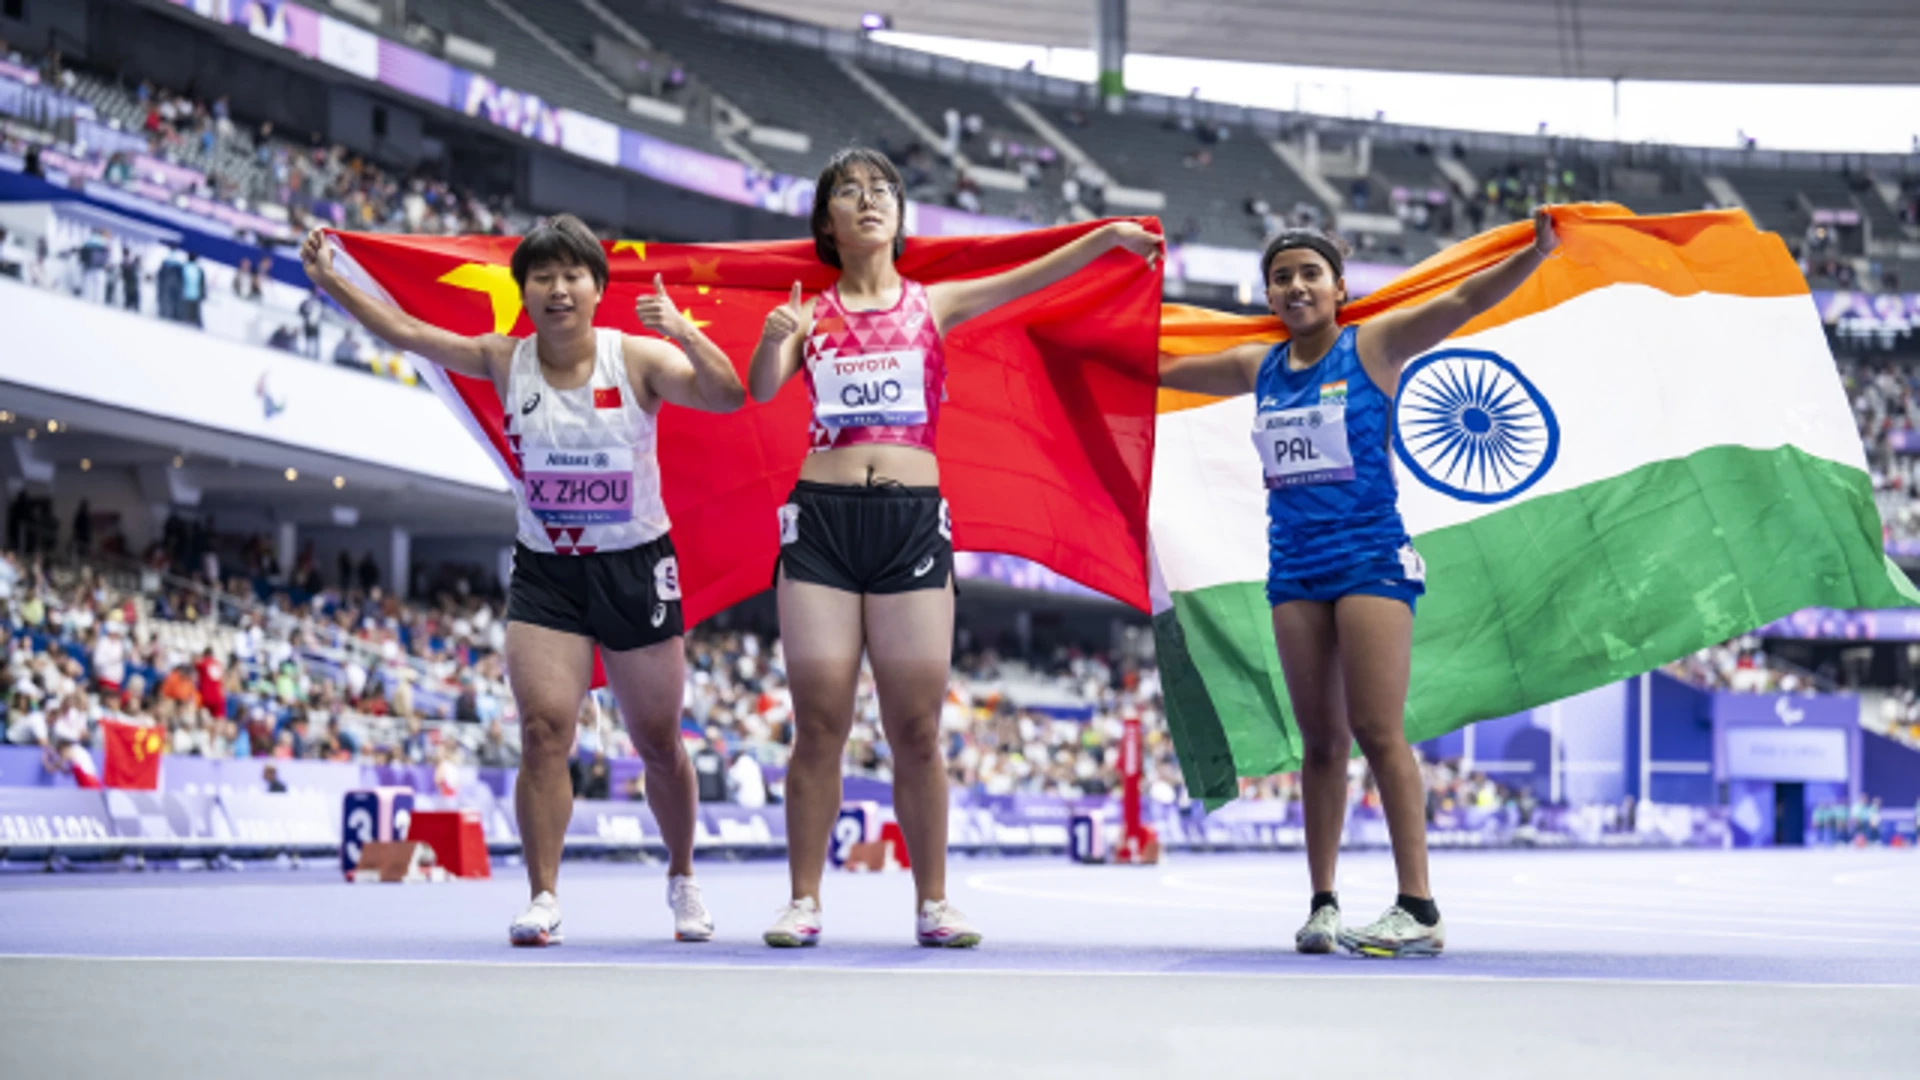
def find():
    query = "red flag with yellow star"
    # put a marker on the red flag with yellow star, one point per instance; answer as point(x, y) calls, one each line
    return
point(133, 755)
point(1046, 438)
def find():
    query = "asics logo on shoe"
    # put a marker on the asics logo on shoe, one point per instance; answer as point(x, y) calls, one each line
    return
point(925, 567)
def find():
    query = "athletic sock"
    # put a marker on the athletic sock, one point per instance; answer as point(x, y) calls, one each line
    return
point(1324, 899)
point(1424, 912)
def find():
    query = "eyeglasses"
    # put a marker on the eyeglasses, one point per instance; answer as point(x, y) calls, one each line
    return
point(852, 194)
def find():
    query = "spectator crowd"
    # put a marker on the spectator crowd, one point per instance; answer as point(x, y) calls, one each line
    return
point(286, 665)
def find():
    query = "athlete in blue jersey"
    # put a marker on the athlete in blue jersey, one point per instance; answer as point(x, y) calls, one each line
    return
point(1343, 577)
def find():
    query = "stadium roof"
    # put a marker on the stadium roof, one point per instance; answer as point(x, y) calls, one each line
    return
point(1749, 41)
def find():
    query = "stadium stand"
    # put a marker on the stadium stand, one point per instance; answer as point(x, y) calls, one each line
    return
point(574, 28)
point(1212, 169)
point(792, 89)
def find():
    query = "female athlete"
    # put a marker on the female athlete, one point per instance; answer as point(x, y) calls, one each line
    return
point(594, 564)
point(1342, 575)
point(866, 554)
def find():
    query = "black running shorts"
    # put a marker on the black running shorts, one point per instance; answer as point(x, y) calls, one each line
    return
point(621, 599)
point(862, 538)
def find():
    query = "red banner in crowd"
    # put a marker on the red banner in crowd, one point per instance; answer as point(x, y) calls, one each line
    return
point(133, 755)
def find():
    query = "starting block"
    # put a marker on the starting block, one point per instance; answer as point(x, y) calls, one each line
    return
point(858, 824)
point(373, 815)
point(1087, 836)
point(458, 841)
point(390, 862)
point(887, 853)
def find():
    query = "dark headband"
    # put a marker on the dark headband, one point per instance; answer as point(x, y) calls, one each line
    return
point(1298, 238)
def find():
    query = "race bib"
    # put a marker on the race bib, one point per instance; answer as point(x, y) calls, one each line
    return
point(1303, 446)
point(579, 487)
point(872, 390)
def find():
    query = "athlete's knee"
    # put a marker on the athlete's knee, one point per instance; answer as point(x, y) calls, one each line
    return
point(1325, 749)
point(818, 730)
point(545, 735)
point(917, 742)
point(658, 745)
point(1379, 739)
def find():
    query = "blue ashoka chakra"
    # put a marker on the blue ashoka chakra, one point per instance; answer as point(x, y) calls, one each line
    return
point(1469, 425)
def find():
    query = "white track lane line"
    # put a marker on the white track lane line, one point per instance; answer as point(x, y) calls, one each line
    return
point(1480, 899)
point(1426, 973)
point(985, 883)
point(1637, 902)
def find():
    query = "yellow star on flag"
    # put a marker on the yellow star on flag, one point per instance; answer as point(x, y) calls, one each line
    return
point(638, 247)
point(707, 270)
point(497, 282)
point(698, 324)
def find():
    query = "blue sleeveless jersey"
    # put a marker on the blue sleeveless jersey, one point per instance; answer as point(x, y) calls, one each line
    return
point(1324, 520)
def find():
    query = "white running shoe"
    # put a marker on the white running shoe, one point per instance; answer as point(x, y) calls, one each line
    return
point(539, 924)
point(941, 926)
point(798, 925)
point(690, 919)
point(1396, 933)
point(1321, 931)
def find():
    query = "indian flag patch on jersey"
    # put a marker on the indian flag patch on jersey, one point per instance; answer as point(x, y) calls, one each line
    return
point(1333, 393)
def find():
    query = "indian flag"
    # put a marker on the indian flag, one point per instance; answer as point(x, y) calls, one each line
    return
point(1643, 451)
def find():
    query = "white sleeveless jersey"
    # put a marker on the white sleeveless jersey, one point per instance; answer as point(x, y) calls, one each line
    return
point(590, 480)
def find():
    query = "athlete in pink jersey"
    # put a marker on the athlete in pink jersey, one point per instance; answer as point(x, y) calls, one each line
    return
point(866, 558)
point(594, 564)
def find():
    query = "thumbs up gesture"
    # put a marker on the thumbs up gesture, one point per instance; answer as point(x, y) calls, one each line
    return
point(657, 313)
point(784, 321)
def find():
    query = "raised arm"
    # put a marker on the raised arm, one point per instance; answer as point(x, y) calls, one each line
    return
point(697, 375)
point(1223, 374)
point(954, 302)
point(483, 357)
point(1388, 341)
point(777, 357)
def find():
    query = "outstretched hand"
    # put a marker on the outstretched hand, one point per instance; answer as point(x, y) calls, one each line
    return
point(657, 313)
point(316, 258)
point(1132, 237)
point(1546, 240)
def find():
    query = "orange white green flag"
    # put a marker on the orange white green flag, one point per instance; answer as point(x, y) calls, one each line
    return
point(1643, 451)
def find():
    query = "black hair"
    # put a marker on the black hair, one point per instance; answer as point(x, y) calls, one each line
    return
point(563, 239)
point(836, 171)
point(1329, 246)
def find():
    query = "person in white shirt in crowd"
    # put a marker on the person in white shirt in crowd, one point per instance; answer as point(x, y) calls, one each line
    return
point(26, 723)
point(746, 783)
point(110, 657)
point(70, 720)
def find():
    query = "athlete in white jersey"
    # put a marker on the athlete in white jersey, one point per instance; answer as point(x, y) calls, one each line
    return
point(594, 564)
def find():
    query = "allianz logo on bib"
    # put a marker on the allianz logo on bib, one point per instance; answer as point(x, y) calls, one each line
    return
point(1308, 418)
point(561, 459)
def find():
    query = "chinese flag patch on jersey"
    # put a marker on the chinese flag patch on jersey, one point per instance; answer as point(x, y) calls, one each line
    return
point(606, 397)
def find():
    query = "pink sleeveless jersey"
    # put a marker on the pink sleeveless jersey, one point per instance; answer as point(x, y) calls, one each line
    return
point(875, 376)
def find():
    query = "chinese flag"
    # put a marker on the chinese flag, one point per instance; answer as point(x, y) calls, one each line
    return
point(133, 755)
point(1046, 439)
